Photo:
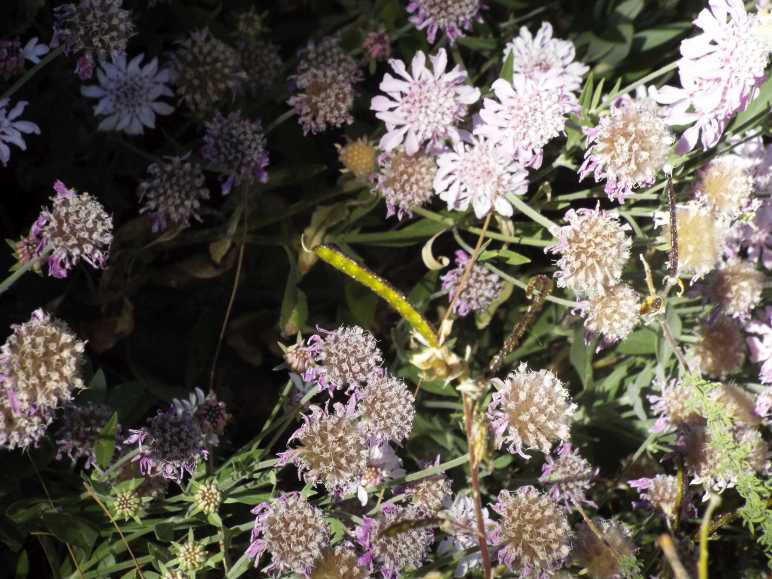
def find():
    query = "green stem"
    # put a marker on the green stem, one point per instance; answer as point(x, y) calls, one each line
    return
point(648, 78)
point(14, 277)
point(524, 286)
point(279, 120)
point(31, 72)
point(532, 214)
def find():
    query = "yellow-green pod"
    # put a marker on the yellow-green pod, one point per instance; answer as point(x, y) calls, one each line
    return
point(379, 287)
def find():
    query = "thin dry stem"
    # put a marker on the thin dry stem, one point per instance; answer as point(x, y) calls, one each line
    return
point(665, 542)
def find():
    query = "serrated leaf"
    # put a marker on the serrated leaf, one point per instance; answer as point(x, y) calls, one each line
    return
point(105, 443)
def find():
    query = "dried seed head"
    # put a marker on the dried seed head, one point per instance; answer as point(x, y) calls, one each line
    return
point(80, 429)
point(292, 530)
point(738, 289)
point(720, 350)
point(613, 314)
point(126, 504)
point(339, 562)
point(399, 540)
point(172, 192)
point(594, 248)
point(533, 530)
point(347, 356)
point(24, 428)
point(531, 410)
point(569, 476)
point(661, 492)
point(481, 288)
point(432, 493)
point(405, 181)
point(725, 186)
point(701, 239)
point(40, 364)
point(191, 556)
point(208, 497)
point(207, 71)
point(358, 157)
point(603, 558)
point(331, 448)
point(386, 408)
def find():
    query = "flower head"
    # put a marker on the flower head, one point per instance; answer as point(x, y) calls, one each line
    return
point(432, 493)
point(292, 530)
point(461, 526)
point(543, 57)
point(725, 186)
point(377, 46)
point(191, 555)
point(338, 562)
point(481, 173)
point(126, 504)
point(40, 364)
point(24, 428)
point(423, 106)
point(760, 343)
point(13, 129)
point(452, 17)
point(672, 407)
point(172, 192)
point(569, 476)
point(209, 413)
point(405, 181)
point(755, 238)
point(331, 448)
point(170, 445)
point(701, 239)
point(594, 248)
point(92, 29)
point(737, 289)
point(762, 407)
point(603, 556)
point(661, 492)
point(720, 71)
point(358, 157)
point(383, 464)
point(530, 410)
point(346, 356)
point(206, 71)
point(236, 147)
point(386, 408)
point(719, 350)
point(129, 94)
point(79, 432)
point(533, 530)
point(208, 497)
point(628, 148)
point(396, 541)
point(482, 287)
point(263, 65)
point(525, 115)
point(613, 314)
point(756, 157)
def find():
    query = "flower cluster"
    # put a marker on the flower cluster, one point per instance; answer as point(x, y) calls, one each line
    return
point(569, 476)
point(79, 432)
point(481, 288)
point(13, 129)
point(452, 17)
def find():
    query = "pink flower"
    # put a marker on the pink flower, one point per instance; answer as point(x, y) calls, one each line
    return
point(720, 71)
point(453, 17)
point(422, 105)
point(760, 343)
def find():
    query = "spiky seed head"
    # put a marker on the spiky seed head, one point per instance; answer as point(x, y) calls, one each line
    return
point(432, 493)
point(348, 356)
point(339, 562)
point(405, 181)
point(386, 407)
point(738, 289)
point(533, 531)
point(613, 314)
point(191, 556)
point(720, 349)
point(236, 146)
point(568, 476)
point(358, 157)
point(480, 289)
point(292, 530)
point(725, 186)
point(208, 497)
point(24, 428)
point(603, 557)
point(530, 410)
point(673, 408)
point(126, 504)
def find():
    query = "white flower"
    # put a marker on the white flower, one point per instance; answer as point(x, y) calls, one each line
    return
point(128, 94)
point(422, 105)
point(526, 116)
point(11, 129)
point(480, 173)
point(542, 56)
point(33, 51)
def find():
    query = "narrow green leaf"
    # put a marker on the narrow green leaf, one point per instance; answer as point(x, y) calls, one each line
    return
point(507, 69)
point(105, 443)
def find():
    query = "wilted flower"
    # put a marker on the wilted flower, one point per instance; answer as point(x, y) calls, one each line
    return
point(461, 526)
point(543, 57)
point(481, 287)
point(172, 192)
point(76, 228)
point(431, 493)
point(720, 349)
point(397, 541)
point(613, 314)
point(24, 428)
point(292, 530)
point(170, 445)
point(525, 116)
point(94, 29)
point(569, 476)
point(126, 504)
point(760, 343)
point(701, 239)
point(755, 238)
point(358, 157)
point(672, 407)
point(40, 364)
point(423, 106)
point(533, 531)
point(331, 448)
point(207, 497)
point(594, 248)
point(660, 492)
point(603, 557)
point(628, 148)
point(206, 71)
point(191, 555)
point(347, 356)
point(236, 147)
point(720, 71)
point(386, 408)
point(13, 129)
point(452, 17)
point(530, 410)
point(377, 45)
point(725, 186)
point(79, 432)
point(129, 94)
point(338, 562)
point(737, 289)
point(480, 173)
point(405, 181)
